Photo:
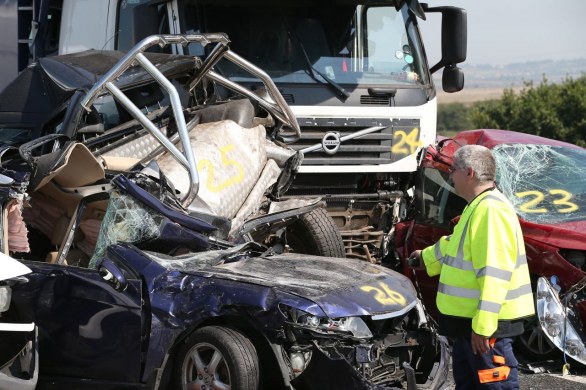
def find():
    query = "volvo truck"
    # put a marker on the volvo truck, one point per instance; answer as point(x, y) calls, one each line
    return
point(354, 72)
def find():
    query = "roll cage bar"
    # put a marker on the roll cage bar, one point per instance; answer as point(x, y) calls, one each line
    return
point(278, 108)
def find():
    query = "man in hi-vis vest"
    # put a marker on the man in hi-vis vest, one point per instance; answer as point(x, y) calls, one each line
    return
point(484, 287)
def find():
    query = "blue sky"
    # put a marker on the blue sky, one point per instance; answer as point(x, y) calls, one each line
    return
point(502, 32)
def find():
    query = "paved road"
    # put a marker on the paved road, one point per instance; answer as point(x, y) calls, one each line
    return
point(547, 376)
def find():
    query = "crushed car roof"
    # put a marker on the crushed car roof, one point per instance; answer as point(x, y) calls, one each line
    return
point(38, 92)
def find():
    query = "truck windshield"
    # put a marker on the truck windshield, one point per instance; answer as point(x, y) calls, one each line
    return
point(301, 42)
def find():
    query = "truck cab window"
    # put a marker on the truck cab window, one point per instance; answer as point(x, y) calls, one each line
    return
point(388, 48)
point(354, 45)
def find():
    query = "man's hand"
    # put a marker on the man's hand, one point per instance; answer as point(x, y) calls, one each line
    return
point(479, 344)
point(415, 260)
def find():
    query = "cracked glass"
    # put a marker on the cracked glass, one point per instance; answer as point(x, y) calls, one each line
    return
point(546, 184)
point(126, 220)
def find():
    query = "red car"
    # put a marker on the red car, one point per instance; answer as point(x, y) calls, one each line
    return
point(545, 180)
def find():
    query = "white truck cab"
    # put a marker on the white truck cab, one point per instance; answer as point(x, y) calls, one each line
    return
point(354, 72)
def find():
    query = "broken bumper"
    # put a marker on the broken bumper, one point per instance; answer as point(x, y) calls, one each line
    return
point(326, 372)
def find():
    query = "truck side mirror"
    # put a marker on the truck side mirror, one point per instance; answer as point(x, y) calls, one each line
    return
point(452, 79)
point(454, 36)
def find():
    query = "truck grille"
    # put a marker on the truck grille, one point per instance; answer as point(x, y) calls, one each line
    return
point(375, 100)
point(370, 149)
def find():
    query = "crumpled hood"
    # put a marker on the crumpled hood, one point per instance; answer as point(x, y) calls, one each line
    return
point(341, 287)
point(567, 235)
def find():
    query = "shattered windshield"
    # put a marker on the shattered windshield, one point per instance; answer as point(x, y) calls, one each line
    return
point(126, 220)
point(303, 42)
point(546, 184)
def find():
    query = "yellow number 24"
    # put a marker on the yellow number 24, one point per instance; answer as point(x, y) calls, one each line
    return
point(406, 143)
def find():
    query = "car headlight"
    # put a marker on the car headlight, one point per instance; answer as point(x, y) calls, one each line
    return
point(555, 323)
point(354, 326)
point(5, 294)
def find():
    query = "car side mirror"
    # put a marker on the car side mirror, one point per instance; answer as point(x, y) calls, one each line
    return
point(111, 273)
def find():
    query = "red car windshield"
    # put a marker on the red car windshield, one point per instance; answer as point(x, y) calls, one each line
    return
point(546, 184)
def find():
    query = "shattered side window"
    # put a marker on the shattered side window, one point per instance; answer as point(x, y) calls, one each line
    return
point(545, 184)
point(126, 220)
point(14, 135)
point(438, 202)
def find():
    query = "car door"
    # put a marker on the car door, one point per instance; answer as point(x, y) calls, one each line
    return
point(87, 328)
point(436, 206)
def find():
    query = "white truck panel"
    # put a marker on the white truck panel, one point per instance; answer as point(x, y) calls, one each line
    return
point(426, 114)
point(91, 25)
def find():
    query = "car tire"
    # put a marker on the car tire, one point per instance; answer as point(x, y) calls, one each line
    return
point(216, 357)
point(316, 233)
point(534, 345)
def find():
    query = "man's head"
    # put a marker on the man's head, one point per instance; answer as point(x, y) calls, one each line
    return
point(473, 170)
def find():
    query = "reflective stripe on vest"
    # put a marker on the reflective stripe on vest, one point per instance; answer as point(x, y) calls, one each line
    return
point(461, 264)
point(464, 265)
point(437, 251)
point(462, 292)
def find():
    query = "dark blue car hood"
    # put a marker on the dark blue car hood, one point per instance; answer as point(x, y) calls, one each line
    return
point(341, 287)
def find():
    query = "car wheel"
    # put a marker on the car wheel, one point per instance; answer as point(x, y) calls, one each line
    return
point(216, 357)
point(534, 343)
point(316, 233)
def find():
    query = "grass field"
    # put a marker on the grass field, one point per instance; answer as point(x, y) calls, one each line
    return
point(470, 95)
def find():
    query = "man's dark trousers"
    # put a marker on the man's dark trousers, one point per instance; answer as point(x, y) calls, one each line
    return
point(492, 366)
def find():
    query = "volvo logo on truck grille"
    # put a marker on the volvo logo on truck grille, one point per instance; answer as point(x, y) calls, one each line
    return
point(331, 142)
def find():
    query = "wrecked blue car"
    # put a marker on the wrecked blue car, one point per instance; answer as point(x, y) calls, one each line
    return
point(141, 276)
point(160, 305)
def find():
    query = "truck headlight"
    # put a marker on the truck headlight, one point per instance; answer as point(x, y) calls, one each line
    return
point(555, 323)
point(5, 294)
point(354, 326)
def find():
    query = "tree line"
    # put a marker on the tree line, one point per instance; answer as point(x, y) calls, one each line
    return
point(556, 111)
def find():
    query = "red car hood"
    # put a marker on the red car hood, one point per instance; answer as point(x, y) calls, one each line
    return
point(567, 235)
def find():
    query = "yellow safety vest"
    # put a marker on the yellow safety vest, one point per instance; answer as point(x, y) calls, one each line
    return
point(482, 266)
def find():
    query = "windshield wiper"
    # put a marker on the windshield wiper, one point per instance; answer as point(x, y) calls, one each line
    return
point(340, 92)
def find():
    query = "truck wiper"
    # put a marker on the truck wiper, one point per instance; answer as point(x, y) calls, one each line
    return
point(340, 92)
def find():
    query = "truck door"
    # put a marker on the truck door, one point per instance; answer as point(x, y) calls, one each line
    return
point(29, 30)
point(140, 19)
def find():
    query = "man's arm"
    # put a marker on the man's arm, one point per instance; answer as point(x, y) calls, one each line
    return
point(433, 256)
